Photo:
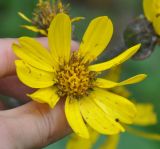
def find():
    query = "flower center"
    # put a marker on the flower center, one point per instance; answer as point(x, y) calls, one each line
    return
point(74, 79)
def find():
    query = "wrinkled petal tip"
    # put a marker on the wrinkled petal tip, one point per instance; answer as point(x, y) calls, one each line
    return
point(29, 95)
point(39, 101)
point(46, 95)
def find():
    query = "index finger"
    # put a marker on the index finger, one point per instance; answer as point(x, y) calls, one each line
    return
point(7, 57)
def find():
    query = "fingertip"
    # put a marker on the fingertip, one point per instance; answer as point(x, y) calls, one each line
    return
point(2, 106)
point(7, 57)
point(75, 45)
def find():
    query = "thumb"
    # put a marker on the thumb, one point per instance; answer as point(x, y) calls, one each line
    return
point(34, 125)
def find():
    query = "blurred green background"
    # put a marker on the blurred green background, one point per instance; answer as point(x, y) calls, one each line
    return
point(121, 12)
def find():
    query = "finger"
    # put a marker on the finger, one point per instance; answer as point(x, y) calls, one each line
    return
point(12, 87)
point(33, 125)
point(7, 57)
point(2, 106)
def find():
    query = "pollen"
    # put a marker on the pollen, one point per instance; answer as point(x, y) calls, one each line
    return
point(74, 79)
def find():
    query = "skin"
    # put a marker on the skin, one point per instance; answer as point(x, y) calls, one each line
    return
point(32, 125)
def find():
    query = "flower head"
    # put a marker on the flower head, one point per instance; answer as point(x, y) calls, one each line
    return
point(152, 13)
point(43, 15)
point(59, 73)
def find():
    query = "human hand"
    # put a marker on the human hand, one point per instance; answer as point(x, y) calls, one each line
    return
point(32, 125)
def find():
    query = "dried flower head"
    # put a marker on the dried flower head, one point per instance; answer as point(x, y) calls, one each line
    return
point(43, 15)
point(140, 30)
point(145, 29)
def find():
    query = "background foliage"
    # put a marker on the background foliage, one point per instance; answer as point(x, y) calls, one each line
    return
point(121, 12)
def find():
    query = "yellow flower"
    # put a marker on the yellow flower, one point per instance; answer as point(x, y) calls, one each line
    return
point(59, 73)
point(152, 13)
point(145, 117)
point(43, 15)
point(76, 142)
point(111, 142)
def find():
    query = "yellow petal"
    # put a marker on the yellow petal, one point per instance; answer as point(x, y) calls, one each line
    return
point(35, 29)
point(96, 38)
point(122, 91)
point(145, 115)
point(116, 107)
point(114, 74)
point(33, 77)
point(34, 54)
point(111, 142)
point(46, 95)
point(156, 24)
point(148, 10)
point(97, 118)
point(59, 36)
point(76, 19)
point(115, 61)
point(151, 8)
point(36, 49)
point(74, 117)
point(76, 142)
point(103, 83)
point(132, 80)
point(24, 17)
